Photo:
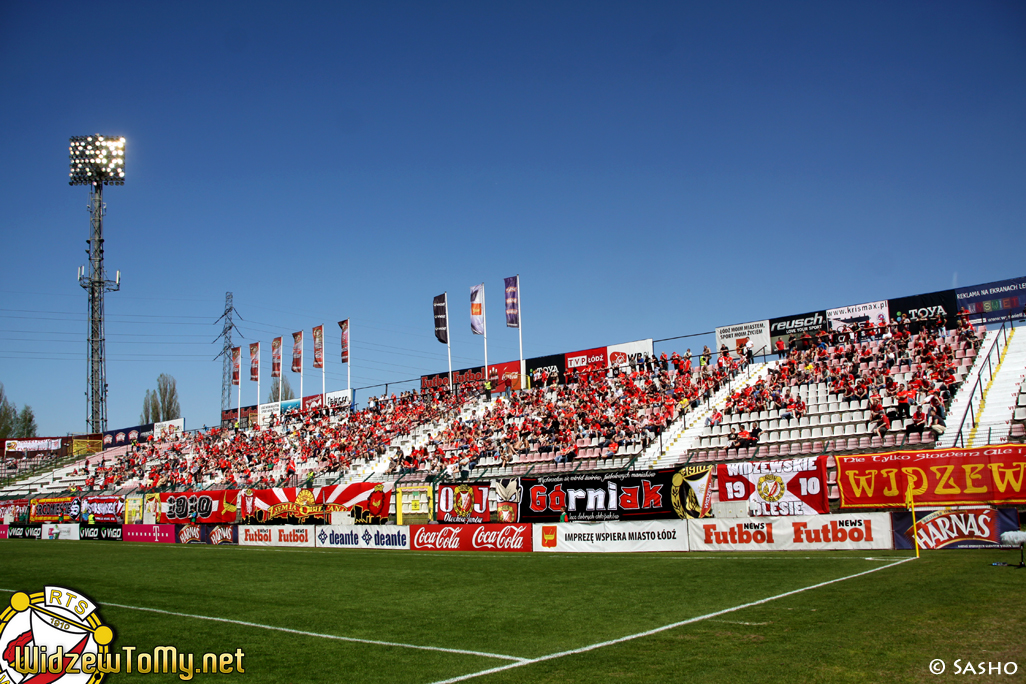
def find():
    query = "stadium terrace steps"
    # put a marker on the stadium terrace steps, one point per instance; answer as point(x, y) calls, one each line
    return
point(681, 439)
point(960, 404)
point(997, 409)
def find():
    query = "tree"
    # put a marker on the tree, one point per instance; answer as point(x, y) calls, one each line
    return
point(162, 403)
point(26, 423)
point(286, 391)
point(151, 408)
point(8, 416)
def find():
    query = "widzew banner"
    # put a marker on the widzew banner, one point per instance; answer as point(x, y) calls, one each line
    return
point(954, 528)
point(463, 503)
point(612, 537)
point(102, 509)
point(362, 537)
point(945, 477)
point(276, 535)
point(254, 361)
point(676, 493)
point(54, 509)
point(214, 506)
point(471, 537)
point(344, 328)
point(367, 501)
point(795, 486)
point(865, 531)
point(236, 363)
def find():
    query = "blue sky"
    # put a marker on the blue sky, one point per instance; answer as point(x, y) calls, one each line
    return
point(649, 169)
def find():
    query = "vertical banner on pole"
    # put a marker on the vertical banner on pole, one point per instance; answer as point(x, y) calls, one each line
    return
point(440, 304)
point(477, 312)
point(236, 364)
point(512, 302)
point(254, 362)
point(318, 344)
point(276, 357)
point(297, 352)
point(344, 326)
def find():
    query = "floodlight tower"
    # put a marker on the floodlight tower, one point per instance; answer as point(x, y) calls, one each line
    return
point(97, 160)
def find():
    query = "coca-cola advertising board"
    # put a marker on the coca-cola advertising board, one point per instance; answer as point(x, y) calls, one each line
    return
point(471, 537)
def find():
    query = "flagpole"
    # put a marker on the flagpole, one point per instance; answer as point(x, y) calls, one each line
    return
point(258, 376)
point(448, 347)
point(324, 363)
point(281, 374)
point(302, 348)
point(915, 531)
point(349, 360)
point(240, 387)
point(484, 324)
point(520, 329)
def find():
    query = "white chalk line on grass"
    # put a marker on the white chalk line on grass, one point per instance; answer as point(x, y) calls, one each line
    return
point(585, 649)
point(310, 634)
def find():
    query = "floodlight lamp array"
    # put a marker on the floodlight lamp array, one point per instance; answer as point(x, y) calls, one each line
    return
point(97, 159)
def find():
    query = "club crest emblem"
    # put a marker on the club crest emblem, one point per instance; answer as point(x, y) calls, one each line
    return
point(770, 487)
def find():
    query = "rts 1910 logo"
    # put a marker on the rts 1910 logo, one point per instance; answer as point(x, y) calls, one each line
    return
point(57, 629)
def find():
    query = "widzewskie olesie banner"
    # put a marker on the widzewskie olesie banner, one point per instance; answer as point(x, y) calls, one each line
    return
point(795, 486)
point(990, 474)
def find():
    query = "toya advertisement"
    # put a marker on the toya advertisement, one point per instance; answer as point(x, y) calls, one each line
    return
point(949, 477)
point(796, 486)
point(683, 493)
point(954, 528)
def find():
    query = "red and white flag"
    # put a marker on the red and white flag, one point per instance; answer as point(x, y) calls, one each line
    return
point(477, 312)
point(236, 363)
point(276, 357)
point(254, 362)
point(297, 352)
point(344, 325)
point(318, 340)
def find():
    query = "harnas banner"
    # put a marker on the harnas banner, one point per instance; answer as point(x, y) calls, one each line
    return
point(796, 486)
point(954, 528)
point(945, 477)
point(680, 493)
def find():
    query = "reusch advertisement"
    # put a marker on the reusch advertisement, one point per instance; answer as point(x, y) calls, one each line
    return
point(795, 327)
point(471, 537)
point(948, 477)
point(795, 486)
point(681, 493)
point(993, 302)
point(612, 537)
point(806, 533)
point(737, 336)
point(362, 537)
point(954, 528)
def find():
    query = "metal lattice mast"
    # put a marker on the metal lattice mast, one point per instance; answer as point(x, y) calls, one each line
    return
point(226, 351)
point(97, 161)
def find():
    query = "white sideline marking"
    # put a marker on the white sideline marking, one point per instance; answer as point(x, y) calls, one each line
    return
point(650, 632)
point(311, 634)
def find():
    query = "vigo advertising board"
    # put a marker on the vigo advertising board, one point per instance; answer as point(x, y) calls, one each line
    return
point(99, 532)
point(612, 537)
point(865, 531)
point(496, 537)
point(362, 536)
point(276, 535)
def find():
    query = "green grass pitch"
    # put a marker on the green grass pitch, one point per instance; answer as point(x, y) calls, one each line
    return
point(885, 626)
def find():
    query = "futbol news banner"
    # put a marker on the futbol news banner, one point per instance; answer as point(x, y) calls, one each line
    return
point(866, 531)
